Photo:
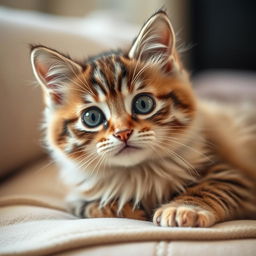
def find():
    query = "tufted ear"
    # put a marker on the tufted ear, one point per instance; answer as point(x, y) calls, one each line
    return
point(54, 72)
point(155, 42)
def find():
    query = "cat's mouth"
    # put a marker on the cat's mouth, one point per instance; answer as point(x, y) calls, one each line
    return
point(127, 149)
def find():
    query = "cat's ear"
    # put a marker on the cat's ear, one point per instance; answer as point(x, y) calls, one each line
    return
point(155, 42)
point(54, 72)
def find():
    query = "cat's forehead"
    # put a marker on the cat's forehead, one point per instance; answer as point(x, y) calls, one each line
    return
point(113, 76)
point(109, 76)
point(107, 72)
point(104, 56)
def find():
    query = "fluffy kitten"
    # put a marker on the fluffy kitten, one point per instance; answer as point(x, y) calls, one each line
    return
point(133, 141)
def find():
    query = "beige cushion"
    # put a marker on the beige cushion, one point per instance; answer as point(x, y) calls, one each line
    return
point(34, 221)
point(244, 247)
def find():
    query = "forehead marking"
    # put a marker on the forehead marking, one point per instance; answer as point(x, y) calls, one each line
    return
point(138, 85)
point(88, 98)
point(100, 91)
point(99, 77)
point(124, 87)
point(117, 71)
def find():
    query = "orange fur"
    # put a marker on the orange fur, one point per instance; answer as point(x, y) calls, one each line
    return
point(185, 162)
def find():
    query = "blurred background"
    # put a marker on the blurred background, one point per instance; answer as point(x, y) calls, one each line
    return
point(216, 39)
point(213, 33)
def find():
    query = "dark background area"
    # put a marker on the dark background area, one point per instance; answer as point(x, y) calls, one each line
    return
point(224, 35)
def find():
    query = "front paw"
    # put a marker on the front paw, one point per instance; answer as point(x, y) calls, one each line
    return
point(183, 215)
point(91, 209)
point(94, 210)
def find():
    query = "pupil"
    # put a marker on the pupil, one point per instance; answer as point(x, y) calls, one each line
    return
point(93, 117)
point(143, 104)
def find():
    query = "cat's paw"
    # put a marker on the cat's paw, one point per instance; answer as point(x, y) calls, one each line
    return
point(182, 215)
point(93, 210)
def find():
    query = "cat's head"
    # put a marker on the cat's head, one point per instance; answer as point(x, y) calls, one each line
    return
point(118, 108)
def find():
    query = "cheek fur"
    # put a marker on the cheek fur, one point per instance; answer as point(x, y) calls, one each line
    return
point(62, 135)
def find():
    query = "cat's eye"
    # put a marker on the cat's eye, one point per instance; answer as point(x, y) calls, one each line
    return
point(143, 104)
point(93, 117)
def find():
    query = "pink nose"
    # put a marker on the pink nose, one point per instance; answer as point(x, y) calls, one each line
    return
point(123, 135)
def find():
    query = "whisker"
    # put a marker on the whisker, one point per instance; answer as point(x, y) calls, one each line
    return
point(170, 139)
point(84, 158)
point(188, 166)
point(98, 164)
point(89, 159)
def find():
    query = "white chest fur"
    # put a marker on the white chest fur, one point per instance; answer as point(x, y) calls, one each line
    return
point(152, 182)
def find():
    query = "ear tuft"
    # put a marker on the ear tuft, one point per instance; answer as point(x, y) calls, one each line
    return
point(53, 71)
point(155, 42)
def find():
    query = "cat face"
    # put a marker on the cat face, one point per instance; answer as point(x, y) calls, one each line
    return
point(120, 108)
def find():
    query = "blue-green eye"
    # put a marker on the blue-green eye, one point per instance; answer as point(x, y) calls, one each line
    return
point(93, 117)
point(143, 104)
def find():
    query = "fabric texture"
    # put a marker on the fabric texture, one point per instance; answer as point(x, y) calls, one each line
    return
point(245, 247)
point(34, 220)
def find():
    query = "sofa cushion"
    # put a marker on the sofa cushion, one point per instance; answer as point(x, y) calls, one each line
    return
point(34, 221)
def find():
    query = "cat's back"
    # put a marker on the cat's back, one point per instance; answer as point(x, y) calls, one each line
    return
point(231, 131)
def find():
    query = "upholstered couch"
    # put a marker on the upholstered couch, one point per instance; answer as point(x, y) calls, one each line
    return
point(33, 216)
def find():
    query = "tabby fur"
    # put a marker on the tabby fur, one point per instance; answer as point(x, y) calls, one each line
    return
point(191, 163)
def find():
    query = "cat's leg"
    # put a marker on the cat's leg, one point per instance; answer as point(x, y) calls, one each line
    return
point(223, 194)
point(92, 209)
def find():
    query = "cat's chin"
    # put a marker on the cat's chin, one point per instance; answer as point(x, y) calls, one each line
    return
point(130, 157)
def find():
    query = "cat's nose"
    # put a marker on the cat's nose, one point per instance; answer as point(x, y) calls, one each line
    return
point(123, 135)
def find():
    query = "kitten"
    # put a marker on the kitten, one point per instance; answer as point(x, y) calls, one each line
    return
point(133, 141)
